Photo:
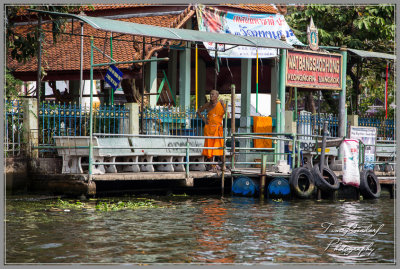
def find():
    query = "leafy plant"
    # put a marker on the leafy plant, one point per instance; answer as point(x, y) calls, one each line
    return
point(104, 206)
point(12, 86)
point(23, 45)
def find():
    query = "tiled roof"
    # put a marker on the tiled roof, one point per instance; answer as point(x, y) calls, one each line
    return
point(262, 8)
point(22, 9)
point(65, 54)
point(113, 6)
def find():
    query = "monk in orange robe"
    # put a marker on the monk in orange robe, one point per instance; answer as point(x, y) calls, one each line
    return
point(215, 112)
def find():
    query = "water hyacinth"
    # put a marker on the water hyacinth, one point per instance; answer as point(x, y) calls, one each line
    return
point(103, 206)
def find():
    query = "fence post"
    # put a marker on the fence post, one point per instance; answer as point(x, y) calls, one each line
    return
point(30, 125)
point(133, 118)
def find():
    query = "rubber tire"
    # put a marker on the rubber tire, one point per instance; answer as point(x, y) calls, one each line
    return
point(298, 173)
point(370, 188)
point(326, 186)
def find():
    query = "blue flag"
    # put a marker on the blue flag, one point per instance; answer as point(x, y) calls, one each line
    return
point(113, 77)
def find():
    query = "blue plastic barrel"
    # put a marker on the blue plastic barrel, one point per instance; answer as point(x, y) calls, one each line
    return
point(245, 186)
point(278, 188)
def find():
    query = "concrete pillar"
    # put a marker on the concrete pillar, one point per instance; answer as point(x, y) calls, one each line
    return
point(274, 87)
point(30, 127)
point(282, 97)
point(172, 71)
point(282, 87)
point(184, 78)
point(201, 98)
point(245, 120)
point(353, 120)
point(342, 95)
point(152, 80)
point(290, 124)
point(245, 95)
point(133, 118)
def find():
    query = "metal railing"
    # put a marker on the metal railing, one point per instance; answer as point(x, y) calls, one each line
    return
point(13, 128)
point(72, 119)
point(385, 127)
point(165, 120)
point(308, 124)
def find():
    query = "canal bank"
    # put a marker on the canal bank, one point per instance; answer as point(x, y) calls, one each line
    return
point(44, 177)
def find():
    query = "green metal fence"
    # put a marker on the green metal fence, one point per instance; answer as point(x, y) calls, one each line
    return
point(71, 119)
point(385, 127)
point(165, 120)
point(13, 128)
point(309, 124)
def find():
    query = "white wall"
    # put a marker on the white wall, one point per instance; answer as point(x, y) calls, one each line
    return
point(264, 103)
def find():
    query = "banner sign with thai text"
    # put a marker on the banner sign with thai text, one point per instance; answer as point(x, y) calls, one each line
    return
point(314, 70)
point(113, 77)
point(368, 136)
point(260, 25)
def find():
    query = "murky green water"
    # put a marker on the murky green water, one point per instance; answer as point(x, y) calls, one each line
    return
point(200, 229)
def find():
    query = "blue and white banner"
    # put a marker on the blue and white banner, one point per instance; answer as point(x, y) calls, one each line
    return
point(260, 25)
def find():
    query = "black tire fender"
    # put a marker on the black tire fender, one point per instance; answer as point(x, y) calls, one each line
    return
point(370, 187)
point(330, 184)
point(302, 182)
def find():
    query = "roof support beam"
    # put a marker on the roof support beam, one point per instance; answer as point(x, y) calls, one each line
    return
point(342, 96)
point(184, 78)
point(245, 98)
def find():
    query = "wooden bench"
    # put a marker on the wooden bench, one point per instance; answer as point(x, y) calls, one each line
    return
point(132, 150)
point(170, 149)
point(385, 152)
point(74, 148)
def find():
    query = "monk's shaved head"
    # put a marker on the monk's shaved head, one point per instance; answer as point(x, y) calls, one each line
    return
point(215, 91)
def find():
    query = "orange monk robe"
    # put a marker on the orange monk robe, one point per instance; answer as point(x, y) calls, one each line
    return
point(214, 128)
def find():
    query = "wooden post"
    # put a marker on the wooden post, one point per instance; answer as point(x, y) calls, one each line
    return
point(321, 162)
point(223, 154)
point(143, 85)
point(39, 69)
point(233, 118)
point(262, 179)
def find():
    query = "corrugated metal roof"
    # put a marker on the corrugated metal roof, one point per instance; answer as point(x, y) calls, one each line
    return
point(172, 33)
point(371, 54)
point(362, 53)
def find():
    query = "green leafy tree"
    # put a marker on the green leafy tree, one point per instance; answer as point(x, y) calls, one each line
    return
point(24, 45)
point(364, 27)
point(12, 86)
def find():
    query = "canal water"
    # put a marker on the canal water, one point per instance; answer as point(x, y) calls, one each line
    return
point(198, 229)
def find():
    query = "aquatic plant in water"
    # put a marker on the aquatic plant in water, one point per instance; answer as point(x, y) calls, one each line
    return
point(105, 206)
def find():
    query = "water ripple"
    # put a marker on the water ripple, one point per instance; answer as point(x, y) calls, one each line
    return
point(197, 230)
